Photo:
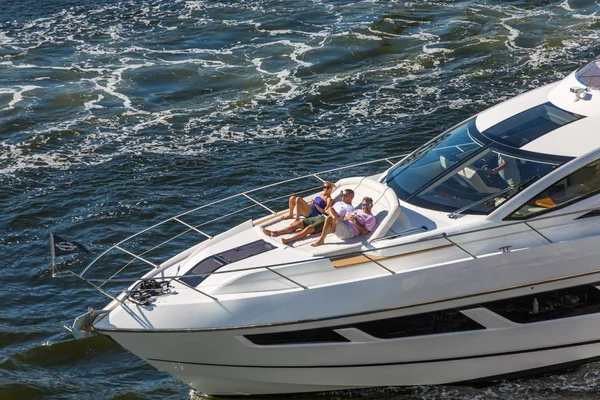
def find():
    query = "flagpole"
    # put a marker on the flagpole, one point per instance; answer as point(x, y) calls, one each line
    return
point(52, 252)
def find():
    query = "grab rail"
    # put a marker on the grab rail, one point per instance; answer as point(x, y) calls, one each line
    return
point(364, 253)
point(395, 246)
point(244, 194)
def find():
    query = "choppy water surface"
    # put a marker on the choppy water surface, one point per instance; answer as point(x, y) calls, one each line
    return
point(115, 115)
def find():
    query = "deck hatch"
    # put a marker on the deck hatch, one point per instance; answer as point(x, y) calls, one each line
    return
point(245, 251)
point(210, 264)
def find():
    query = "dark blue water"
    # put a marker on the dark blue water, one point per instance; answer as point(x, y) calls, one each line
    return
point(115, 115)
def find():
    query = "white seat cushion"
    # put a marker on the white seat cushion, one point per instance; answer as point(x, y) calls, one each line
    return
point(386, 209)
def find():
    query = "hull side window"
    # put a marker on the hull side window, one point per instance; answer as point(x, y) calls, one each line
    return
point(564, 303)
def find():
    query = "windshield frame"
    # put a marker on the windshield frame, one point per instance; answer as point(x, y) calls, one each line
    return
point(422, 150)
point(589, 74)
point(487, 146)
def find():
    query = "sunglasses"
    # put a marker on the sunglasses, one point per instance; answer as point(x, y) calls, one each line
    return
point(366, 205)
point(326, 187)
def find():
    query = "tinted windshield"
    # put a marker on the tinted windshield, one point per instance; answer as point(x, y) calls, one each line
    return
point(433, 160)
point(488, 173)
point(462, 167)
point(590, 74)
point(530, 124)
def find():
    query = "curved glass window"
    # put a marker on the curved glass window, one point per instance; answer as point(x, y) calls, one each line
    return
point(530, 124)
point(581, 184)
point(463, 167)
point(433, 160)
point(490, 172)
point(590, 74)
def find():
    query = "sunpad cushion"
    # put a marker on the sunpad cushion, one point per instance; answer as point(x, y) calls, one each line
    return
point(386, 209)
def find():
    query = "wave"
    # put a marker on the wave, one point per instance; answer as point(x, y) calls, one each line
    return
point(283, 67)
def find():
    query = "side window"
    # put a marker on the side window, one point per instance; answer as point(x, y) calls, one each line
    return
point(580, 184)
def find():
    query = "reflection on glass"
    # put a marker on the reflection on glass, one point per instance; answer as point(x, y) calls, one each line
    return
point(590, 74)
point(433, 160)
point(489, 173)
point(530, 124)
point(580, 184)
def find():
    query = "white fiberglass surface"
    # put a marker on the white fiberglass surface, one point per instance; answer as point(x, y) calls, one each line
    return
point(572, 140)
point(570, 94)
point(500, 112)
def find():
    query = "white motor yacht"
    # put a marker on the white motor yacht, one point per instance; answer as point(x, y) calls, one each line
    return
point(483, 265)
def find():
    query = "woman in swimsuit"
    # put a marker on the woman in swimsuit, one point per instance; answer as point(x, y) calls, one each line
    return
point(314, 207)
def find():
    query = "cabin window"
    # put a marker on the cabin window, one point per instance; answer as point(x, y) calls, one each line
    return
point(433, 160)
point(581, 184)
point(463, 167)
point(431, 323)
point(529, 125)
point(563, 303)
point(437, 322)
point(318, 335)
point(469, 184)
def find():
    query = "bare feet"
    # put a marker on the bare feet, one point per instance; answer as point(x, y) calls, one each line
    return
point(283, 217)
point(285, 241)
point(318, 243)
point(270, 233)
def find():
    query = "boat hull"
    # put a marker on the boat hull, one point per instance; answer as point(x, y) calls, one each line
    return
point(230, 381)
point(226, 363)
point(219, 359)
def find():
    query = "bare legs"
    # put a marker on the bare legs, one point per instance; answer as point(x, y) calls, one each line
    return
point(294, 226)
point(309, 230)
point(329, 226)
point(298, 204)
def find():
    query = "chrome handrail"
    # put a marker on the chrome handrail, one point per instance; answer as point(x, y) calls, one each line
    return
point(393, 246)
point(257, 203)
point(245, 194)
point(357, 253)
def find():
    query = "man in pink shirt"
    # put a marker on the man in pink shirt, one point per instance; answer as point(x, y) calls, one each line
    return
point(314, 224)
point(359, 222)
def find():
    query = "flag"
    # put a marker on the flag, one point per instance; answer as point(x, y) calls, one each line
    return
point(61, 246)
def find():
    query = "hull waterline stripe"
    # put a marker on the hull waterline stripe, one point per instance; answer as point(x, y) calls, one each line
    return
point(431, 361)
